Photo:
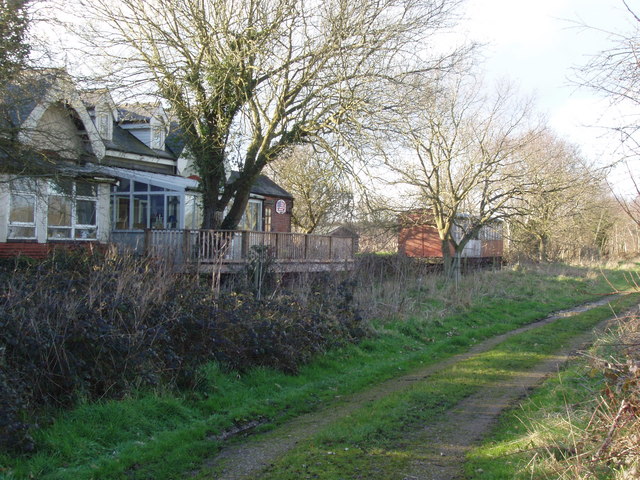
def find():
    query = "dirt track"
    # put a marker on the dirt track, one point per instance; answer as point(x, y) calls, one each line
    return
point(440, 447)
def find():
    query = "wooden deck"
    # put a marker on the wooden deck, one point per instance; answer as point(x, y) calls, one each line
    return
point(231, 251)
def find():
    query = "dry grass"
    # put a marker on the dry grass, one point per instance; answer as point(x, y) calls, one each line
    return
point(601, 437)
point(395, 287)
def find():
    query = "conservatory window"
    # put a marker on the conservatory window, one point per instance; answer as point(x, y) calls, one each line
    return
point(138, 206)
point(192, 212)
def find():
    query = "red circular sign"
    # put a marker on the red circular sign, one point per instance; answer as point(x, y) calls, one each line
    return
point(281, 206)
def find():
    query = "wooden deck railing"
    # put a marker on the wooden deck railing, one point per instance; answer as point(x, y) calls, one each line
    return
point(225, 247)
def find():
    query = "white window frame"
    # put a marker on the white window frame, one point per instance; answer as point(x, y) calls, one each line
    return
point(75, 226)
point(129, 196)
point(33, 224)
point(259, 206)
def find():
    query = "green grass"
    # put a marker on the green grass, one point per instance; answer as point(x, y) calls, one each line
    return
point(513, 442)
point(162, 435)
point(364, 445)
point(556, 429)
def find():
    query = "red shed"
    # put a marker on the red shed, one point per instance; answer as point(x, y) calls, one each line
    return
point(418, 237)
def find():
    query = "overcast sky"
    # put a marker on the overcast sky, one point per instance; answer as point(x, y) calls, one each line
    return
point(537, 43)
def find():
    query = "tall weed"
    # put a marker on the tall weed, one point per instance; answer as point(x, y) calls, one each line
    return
point(599, 436)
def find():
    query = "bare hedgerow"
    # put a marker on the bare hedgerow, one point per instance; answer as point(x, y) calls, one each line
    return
point(77, 326)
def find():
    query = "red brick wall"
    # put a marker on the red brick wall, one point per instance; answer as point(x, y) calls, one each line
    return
point(28, 249)
point(42, 250)
point(280, 222)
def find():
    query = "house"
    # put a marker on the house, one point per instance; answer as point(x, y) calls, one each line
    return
point(418, 237)
point(102, 172)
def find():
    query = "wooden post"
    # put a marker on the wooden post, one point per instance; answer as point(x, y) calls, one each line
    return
point(147, 241)
point(244, 252)
point(306, 247)
point(331, 248)
point(186, 254)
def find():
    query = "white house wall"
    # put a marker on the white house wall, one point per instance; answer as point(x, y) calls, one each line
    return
point(4, 208)
point(56, 132)
point(41, 215)
point(64, 92)
point(103, 214)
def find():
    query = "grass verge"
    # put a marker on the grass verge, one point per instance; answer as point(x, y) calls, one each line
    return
point(161, 435)
point(581, 424)
point(371, 443)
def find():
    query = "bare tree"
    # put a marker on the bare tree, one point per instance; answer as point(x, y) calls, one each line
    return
point(460, 161)
point(14, 20)
point(246, 79)
point(564, 210)
point(615, 72)
point(14, 50)
point(323, 191)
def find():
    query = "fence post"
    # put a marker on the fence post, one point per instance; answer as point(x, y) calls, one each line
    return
point(147, 241)
point(244, 252)
point(330, 247)
point(186, 254)
point(305, 254)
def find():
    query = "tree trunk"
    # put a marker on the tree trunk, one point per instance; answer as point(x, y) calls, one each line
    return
point(542, 248)
point(211, 217)
point(212, 174)
point(239, 204)
point(452, 267)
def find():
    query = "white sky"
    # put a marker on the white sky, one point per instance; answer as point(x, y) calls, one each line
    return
point(536, 44)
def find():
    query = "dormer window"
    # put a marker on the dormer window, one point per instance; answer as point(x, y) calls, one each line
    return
point(103, 128)
point(104, 123)
point(157, 137)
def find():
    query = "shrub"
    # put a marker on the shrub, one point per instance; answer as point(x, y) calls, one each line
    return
point(90, 326)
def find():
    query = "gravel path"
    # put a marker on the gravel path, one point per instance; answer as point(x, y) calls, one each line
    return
point(440, 447)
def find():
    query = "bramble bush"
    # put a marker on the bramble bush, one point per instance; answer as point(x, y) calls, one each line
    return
point(92, 326)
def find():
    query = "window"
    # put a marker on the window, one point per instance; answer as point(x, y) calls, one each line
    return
point(252, 218)
point(22, 216)
point(138, 206)
point(72, 211)
point(492, 231)
point(267, 218)
point(192, 212)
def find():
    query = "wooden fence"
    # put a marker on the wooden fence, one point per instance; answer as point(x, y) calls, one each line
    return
point(298, 251)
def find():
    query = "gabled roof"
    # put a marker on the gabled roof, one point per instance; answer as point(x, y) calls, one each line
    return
point(126, 142)
point(175, 141)
point(94, 98)
point(263, 186)
point(18, 99)
point(142, 113)
point(136, 112)
point(267, 187)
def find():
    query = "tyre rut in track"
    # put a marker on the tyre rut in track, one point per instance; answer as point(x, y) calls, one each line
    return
point(439, 459)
